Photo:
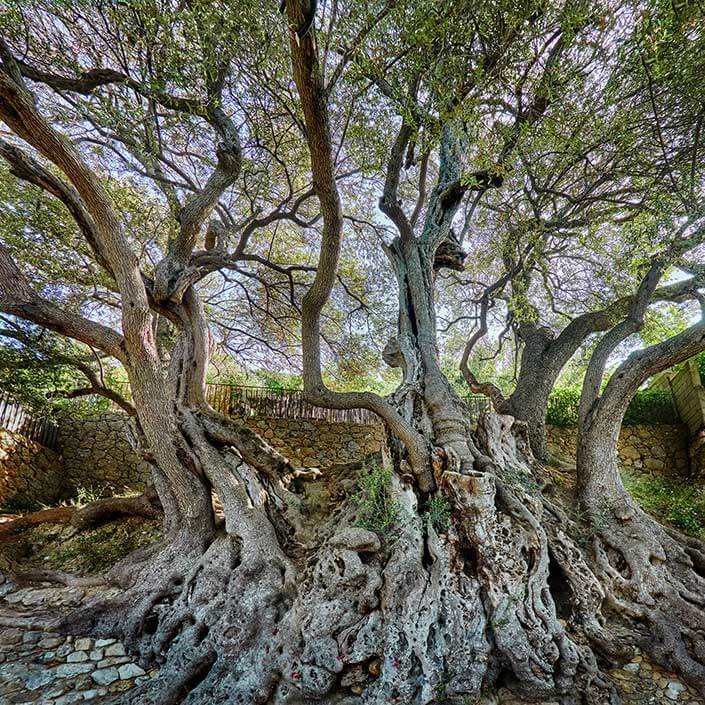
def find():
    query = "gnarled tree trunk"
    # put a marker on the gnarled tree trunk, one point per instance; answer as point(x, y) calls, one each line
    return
point(653, 576)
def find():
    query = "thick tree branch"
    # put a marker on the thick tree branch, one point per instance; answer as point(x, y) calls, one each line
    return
point(28, 169)
point(19, 112)
point(632, 323)
point(18, 299)
point(312, 94)
point(389, 202)
point(486, 302)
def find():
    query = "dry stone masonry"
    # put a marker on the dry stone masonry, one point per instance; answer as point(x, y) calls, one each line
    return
point(639, 682)
point(97, 452)
point(28, 470)
point(657, 449)
point(47, 668)
point(319, 444)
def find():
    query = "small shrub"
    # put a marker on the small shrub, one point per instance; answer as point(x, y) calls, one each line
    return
point(563, 406)
point(585, 525)
point(377, 511)
point(86, 494)
point(676, 503)
point(20, 504)
point(648, 406)
point(438, 512)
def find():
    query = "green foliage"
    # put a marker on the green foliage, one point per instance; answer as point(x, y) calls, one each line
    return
point(354, 371)
point(680, 504)
point(585, 524)
point(93, 551)
point(32, 380)
point(563, 406)
point(662, 323)
point(700, 359)
point(649, 406)
point(377, 510)
point(438, 513)
point(19, 504)
point(40, 370)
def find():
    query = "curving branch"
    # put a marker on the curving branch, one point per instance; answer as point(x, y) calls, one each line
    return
point(19, 111)
point(487, 388)
point(17, 298)
point(24, 167)
point(389, 202)
point(632, 323)
point(312, 94)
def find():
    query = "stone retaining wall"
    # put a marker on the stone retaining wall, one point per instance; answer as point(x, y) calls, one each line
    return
point(97, 452)
point(658, 448)
point(28, 471)
point(319, 444)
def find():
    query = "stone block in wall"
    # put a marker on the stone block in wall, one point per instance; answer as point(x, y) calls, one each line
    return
point(629, 452)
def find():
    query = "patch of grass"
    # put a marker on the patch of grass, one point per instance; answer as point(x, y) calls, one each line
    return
point(438, 512)
point(377, 510)
point(20, 504)
point(678, 503)
point(93, 551)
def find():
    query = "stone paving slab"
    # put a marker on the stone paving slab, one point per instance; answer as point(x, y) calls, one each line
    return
point(45, 668)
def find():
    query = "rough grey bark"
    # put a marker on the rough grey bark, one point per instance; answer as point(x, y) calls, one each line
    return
point(543, 357)
point(654, 577)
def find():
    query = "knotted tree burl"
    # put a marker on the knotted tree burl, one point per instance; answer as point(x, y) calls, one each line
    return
point(264, 608)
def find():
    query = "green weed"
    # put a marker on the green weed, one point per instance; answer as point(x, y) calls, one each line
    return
point(377, 511)
point(438, 513)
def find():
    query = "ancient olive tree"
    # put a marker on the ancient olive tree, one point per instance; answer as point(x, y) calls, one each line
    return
point(266, 606)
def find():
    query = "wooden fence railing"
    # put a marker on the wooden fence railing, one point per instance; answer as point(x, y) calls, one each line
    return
point(239, 401)
point(279, 403)
point(13, 417)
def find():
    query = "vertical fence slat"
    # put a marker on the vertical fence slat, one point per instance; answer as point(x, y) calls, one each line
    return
point(14, 417)
point(249, 401)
